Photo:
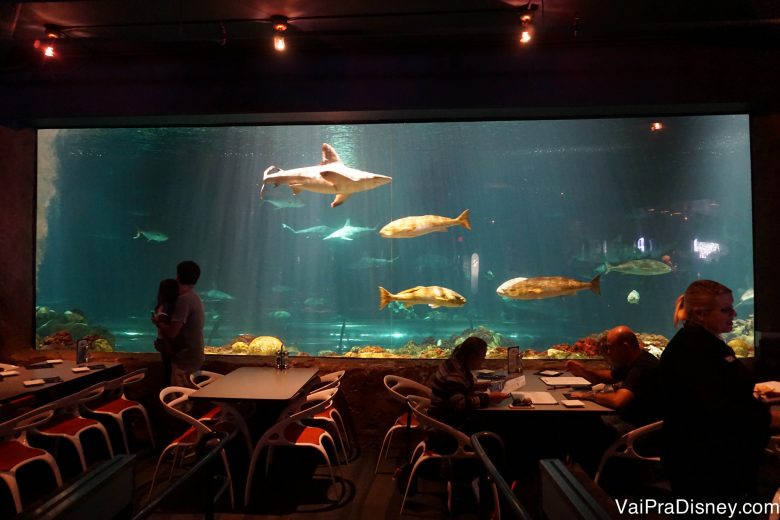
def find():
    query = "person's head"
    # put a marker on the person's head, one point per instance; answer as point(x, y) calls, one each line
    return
point(622, 346)
point(471, 353)
point(168, 291)
point(708, 304)
point(187, 272)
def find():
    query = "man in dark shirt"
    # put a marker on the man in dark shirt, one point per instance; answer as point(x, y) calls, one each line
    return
point(634, 376)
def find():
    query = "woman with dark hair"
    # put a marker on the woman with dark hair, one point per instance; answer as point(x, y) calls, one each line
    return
point(715, 430)
point(455, 393)
point(167, 294)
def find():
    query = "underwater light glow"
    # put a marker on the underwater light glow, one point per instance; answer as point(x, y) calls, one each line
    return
point(705, 249)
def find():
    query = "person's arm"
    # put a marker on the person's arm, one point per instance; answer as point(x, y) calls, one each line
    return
point(170, 329)
point(614, 400)
point(594, 376)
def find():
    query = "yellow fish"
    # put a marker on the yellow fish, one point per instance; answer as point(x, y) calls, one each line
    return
point(433, 295)
point(546, 287)
point(409, 227)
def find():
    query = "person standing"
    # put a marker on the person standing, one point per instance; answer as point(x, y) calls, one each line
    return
point(167, 294)
point(714, 430)
point(185, 329)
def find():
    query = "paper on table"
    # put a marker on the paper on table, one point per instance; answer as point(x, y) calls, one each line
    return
point(535, 397)
point(572, 403)
point(565, 381)
point(8, 373)
point(514, 384)
point(33, 382)
point(80, 369)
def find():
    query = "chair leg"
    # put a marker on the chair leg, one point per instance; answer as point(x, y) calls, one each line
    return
point(148, 424)
point(324, 452)
point(229, 478)
point(120, 419)
point(412, 475)
point(159, 462)
point(385, 444)
point(252, 466)
point(13, 486)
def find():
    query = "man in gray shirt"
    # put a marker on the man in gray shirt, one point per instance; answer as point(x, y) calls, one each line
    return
point(185, 329)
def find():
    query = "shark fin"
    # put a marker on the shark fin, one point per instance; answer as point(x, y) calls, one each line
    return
point(329, 155)
point(296, 189)
point(339, 200)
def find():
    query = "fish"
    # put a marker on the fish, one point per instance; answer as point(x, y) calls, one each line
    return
point(546, 287)
point(643, 267)
point(348, 231)
point(215, 295)
point(746, 298)
point(315, 230)
point(410, 227)
point(279, 315)
point(367, 262)
point(433, 295)
point(488, 275)
point(150, 235)
point(633, 297)
point(312, 301)
point(330, 176)
point(284, 203)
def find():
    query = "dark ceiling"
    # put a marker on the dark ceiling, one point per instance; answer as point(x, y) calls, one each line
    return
point(138, 27)
point(121, 57)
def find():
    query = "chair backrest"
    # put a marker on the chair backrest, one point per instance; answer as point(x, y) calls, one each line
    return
point(70, 403)
point(126, 379)
point(18, 425)
point(401, 387)
point(201, 378)
point(625, 448)
point(328, 380)
point(174, 397)
point(419, 405)
point(312, 404)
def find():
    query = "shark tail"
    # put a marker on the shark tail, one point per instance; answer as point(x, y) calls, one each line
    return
point(384, 298)
point(595, 284)
point(268, 171)
point(463, 220)
point(137, 233)
point(285, 226)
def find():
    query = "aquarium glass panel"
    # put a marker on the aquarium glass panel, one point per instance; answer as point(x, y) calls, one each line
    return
point(607, 220)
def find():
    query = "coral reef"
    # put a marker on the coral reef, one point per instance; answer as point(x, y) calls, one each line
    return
point(63, 330)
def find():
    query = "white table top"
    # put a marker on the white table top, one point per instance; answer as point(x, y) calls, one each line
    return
point(257, 384)
point(535, 384)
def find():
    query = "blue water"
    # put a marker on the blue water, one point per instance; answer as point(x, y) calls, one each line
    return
point(547, 198)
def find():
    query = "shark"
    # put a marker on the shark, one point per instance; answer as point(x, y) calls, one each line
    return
point(150, 235)
point(331, 176)
point(348, 231)
point(316, 230)
point(284, 203)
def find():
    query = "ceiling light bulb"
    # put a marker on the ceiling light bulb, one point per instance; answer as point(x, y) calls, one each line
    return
point(525, 36)
point(48, 51)
point(279, 43)
point(656, 126)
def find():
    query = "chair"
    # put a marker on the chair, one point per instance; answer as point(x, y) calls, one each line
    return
point(172, 398)
point(290, 431)
point(201, 378)
point(15, 451)
point(464, 450)
point(118, 404)
point(491, 454)
point(400, 388)
point(624, 447)
point(67, 423)
point(331, 414)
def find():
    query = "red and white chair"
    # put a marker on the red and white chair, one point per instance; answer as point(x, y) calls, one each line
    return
point(400, 388)
point(201, 378)
point(331, 415)
point(624, 448)
point(117, 404)
point(16, 452)
point(68, 424)
point(173, 399)
point(291, 431)
point(417, 407)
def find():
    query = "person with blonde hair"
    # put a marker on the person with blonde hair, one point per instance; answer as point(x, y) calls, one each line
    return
point(715, 430)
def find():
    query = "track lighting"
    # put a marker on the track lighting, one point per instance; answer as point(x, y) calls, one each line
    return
point(46, 47)
point(527, 30)
point(279, 24)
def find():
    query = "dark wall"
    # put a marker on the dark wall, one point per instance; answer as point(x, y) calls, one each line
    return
point(232, 87)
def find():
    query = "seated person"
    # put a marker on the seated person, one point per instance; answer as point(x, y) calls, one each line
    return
point(455, 393)
point(634, 375)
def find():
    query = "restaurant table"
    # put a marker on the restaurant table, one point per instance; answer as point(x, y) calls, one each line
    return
point(15, 395)
point(533, 383)
point(257, 384)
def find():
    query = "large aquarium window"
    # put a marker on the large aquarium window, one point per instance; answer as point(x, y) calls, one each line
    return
point(537, 234)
